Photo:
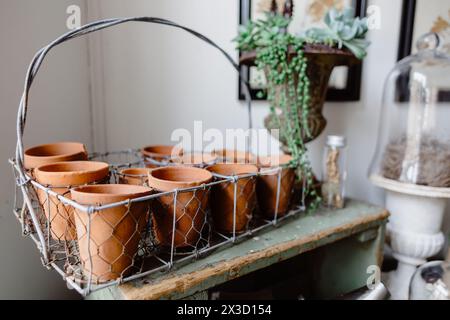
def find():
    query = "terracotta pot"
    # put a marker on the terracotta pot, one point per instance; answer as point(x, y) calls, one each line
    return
point(54, 152)
point(196, 159)
point(114, 233)
point(222, 197)
point(161, 153)
point(191, 205)
point(267, 185)
point(135, 176)
point(235, 156)
point(60, 177)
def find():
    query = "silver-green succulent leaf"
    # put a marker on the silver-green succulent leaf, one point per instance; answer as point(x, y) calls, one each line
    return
point(344, 30)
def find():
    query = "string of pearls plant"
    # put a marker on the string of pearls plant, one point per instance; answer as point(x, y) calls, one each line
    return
point(272, 42)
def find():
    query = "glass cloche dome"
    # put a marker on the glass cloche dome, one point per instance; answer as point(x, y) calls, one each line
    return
point(413, 151)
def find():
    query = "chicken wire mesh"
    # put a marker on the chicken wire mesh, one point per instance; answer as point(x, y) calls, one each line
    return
point(233, 217)
point(93, 247)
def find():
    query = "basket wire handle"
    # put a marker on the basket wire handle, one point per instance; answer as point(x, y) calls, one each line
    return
point(86, 29)
point(34, 68)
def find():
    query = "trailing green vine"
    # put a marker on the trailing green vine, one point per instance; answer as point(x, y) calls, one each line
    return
point(288, 85)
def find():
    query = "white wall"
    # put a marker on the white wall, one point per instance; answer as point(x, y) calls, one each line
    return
point(147, 80)
point(59, 110)
point(158, 79)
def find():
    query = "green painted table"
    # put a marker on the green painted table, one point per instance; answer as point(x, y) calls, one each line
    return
point(349, 243)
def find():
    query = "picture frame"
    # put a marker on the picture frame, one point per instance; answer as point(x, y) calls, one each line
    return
point(434, 19)
point(349, 91)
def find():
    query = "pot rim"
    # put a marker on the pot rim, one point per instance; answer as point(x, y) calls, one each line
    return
point(207, 177)
point(166, 153)
point(136, 175)
point(207, 158)
point(112, 190)
point(90, 167)
point(283, 160)
point(245, 169)
point(82, 172)
point(33, 158)
point(72, 143)
point(347, 57)
point(408, 188)
point(235, 155)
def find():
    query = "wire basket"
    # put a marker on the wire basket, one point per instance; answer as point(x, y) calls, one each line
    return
point(122, 239)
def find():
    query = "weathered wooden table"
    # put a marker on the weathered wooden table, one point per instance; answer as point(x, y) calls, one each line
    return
point(343, 246)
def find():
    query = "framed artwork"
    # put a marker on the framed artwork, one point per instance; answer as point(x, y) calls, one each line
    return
point(418, 18)
point(434, 17)
point(345, 82)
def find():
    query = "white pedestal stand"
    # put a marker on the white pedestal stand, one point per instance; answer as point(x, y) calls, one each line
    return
point(414, 228)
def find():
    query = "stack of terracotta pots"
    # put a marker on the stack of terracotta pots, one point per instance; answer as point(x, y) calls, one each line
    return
point(112, 234)
point(265, 182)
point(108, 239)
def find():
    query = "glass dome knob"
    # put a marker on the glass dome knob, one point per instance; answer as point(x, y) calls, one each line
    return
point(428, 41)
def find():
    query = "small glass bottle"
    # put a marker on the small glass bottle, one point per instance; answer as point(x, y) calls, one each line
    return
point(334, 172)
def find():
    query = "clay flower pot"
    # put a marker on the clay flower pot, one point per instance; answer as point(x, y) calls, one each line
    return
point(110, 251)
point(135, 176)
point(60, 177)
point(196, 159)
point(54, 152)
point(161, 153)
point(191, 205)
point(267, 185)
point(235, 156)
point(222, 198)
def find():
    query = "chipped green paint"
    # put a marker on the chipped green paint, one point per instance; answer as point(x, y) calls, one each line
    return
point(343, 266)
point(319, 229)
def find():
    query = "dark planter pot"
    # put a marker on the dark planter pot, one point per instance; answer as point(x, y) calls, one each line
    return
point(321, 61)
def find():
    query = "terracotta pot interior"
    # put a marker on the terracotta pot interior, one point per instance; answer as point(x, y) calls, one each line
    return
point(112, 190)
point(73, 166)
point(233, 169)
point(274, 161)
point(160, 150)
point(56, 149)
point(135, 172)
point(184, 175)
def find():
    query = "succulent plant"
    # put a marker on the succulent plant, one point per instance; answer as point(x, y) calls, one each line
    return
point(344, 30)
point(272, 42)
point(262, 32)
